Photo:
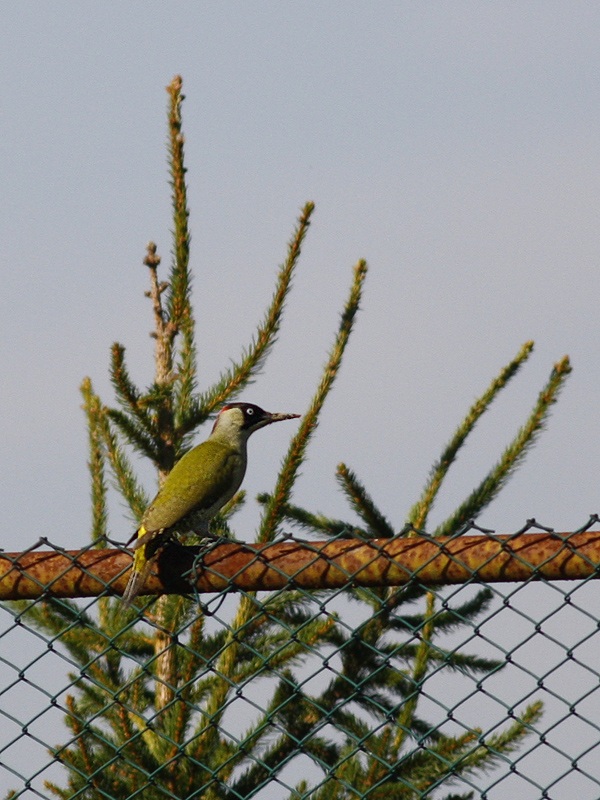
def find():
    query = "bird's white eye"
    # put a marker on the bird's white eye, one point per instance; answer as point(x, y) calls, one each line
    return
point(249, 411)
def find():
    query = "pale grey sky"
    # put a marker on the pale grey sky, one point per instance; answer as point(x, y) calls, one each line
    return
point(453, 145)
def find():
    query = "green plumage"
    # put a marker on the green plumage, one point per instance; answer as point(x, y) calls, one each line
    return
point(197, 486)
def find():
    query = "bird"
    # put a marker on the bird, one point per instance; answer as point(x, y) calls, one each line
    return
point(198, 486)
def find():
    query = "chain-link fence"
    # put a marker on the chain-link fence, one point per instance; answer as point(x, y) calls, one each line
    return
point(408, 668)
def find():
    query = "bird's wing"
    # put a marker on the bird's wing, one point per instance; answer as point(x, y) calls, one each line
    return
point(197, 481)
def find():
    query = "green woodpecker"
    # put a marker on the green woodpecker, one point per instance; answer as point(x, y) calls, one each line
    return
point(199, 485)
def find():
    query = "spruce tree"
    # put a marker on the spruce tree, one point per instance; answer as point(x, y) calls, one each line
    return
point(168, 701)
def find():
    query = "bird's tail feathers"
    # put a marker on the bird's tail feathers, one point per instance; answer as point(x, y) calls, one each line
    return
point(140, 538)
point(139, 573)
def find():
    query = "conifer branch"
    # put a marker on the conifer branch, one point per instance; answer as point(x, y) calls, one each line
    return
point(478, 499)
point(96, 465)
point(498, 745)
point(135, 435)
point(178, 305)
point(405, 719)
point(242, 372)
point(164, 335)
point(297, 450)
point(127, 393)
point(164, 331)
point(122, 470)
point(311, 521)
point(377, 524)
point(514, 454)
point(178, 318)
point(420, 511)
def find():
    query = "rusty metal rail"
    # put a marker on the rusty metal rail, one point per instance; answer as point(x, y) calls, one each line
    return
point(308, 565)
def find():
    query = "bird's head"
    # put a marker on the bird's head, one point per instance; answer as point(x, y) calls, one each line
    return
point(239, 420)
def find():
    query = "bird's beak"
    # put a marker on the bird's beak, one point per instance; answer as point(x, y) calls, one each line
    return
point(278, 418)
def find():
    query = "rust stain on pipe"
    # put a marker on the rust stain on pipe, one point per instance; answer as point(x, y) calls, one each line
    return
point(308, 565)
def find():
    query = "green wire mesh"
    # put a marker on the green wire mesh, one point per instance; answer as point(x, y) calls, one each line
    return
point(459, 691)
